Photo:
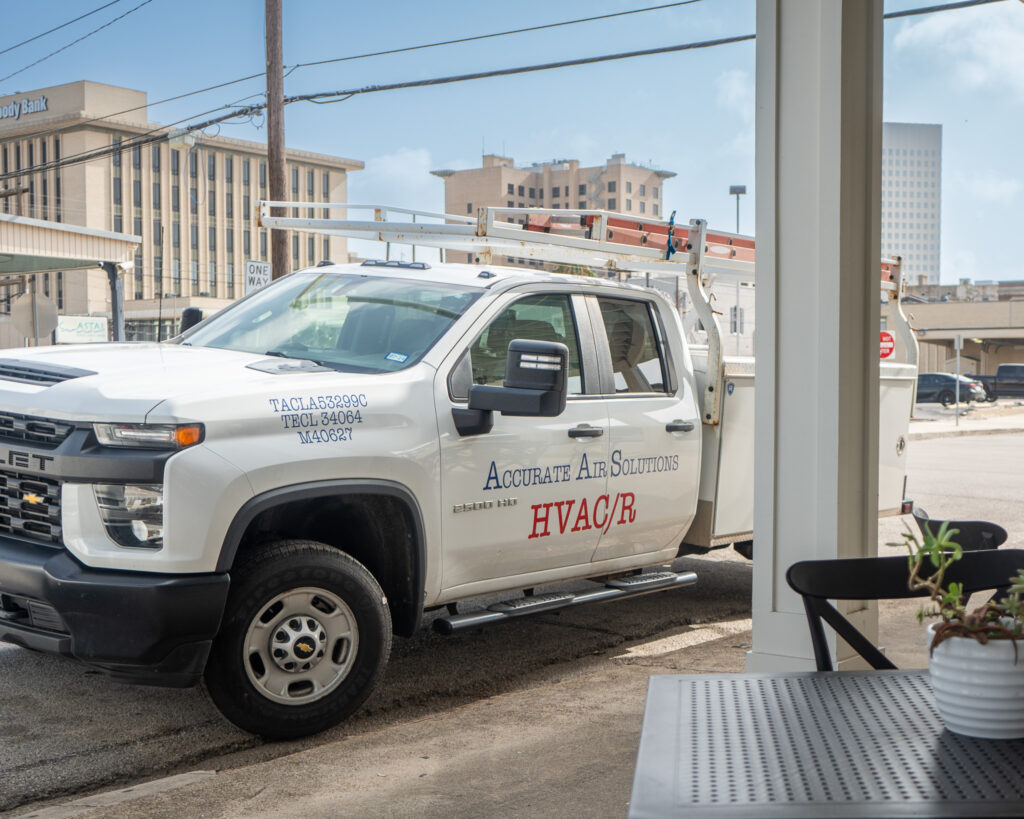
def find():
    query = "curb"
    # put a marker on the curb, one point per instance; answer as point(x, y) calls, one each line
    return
point(957, 433)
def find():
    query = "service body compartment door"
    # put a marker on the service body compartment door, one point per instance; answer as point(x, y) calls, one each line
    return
point(511, 496)
point(654, 431)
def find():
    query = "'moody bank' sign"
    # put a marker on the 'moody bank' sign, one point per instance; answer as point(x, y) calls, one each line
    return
point(15, 109)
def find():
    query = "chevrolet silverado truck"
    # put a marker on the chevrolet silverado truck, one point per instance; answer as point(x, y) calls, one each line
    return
point(264, 501)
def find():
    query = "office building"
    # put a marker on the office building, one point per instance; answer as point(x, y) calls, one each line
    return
point(912, 198)
point(192, 200)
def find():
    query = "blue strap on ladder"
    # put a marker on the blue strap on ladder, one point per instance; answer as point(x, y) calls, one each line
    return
point(671, 227)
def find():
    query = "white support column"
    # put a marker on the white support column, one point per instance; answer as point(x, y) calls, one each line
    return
point(819, 136)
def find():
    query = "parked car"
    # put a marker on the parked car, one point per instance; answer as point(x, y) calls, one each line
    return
point(1008, 381)
point(941, 388)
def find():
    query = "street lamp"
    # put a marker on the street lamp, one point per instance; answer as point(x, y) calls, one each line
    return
point(737, 191)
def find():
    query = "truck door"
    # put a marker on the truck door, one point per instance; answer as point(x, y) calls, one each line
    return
point(654, 431)
point(518, 499)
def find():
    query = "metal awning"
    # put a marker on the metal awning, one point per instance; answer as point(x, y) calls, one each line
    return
point(38, 246)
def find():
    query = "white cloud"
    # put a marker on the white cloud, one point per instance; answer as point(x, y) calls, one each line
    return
point(981, 48)
point(994, 190)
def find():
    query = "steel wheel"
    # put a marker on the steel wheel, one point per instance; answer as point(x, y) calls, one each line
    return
point(301, 646)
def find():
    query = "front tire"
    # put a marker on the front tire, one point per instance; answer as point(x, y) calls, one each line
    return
point(305, 638)
point(946, 398)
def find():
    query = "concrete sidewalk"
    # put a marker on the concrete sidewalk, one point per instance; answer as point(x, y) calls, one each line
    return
point(934, 422)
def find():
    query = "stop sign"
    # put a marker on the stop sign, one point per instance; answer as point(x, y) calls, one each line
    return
point(887, 345)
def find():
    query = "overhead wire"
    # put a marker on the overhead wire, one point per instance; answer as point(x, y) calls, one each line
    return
point(327, 97)
point(75, 42)
point(58, 28)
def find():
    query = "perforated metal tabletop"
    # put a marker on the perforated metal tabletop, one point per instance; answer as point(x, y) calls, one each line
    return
point(836, 744)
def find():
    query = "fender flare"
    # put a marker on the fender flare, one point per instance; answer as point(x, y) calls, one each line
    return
point(332, 488)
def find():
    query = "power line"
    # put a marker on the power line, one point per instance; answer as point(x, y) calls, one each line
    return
point(525, 69)
point(58, 28)
point(495, 34)
point(75, 42)
point(329, 96)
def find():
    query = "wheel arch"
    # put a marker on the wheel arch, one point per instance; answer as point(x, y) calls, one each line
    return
point(400, 568)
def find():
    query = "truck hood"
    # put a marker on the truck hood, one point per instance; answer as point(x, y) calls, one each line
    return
point(122, 382)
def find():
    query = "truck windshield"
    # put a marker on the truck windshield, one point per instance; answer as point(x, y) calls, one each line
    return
point(350, 323)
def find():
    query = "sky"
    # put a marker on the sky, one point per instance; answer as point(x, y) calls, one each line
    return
point(690, 112)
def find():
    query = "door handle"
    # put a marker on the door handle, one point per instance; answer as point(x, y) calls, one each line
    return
point(678, 426)
point(586, 431)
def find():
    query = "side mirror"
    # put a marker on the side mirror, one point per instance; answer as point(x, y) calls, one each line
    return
point(536, 381)
point(190, 317)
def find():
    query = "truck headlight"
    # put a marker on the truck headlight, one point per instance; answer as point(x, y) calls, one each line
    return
point(149, 436)
point(132, 513)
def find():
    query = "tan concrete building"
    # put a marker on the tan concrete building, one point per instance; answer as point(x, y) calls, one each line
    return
point(617, 185)
point(191, 200)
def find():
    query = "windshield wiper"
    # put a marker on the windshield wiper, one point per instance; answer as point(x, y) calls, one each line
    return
point(283, 354)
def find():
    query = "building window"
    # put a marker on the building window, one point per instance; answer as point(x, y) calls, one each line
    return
point(469, 207)
point(137, 192)
point(192, 164)
point(195, 277)
point(229, 240)
point(583, 190)
point(211, 204)
point(655, 210)
point(158, 232)
point(556, 192)
point(175, 275)
point(642, 207)
point(176, 234)
point(136, 157)
point(60, 290)
point(229, 275)
point(229, 169)
point(295, 181)
point(521, 189)
point(117, 190)
point(327, 248)
point(326, 180)
point(611, 204)
point(247, 207)
point(156, 196)
point(118, 224)
point(193, 200)
point(213, 280)
point(194, 236)
point(211, 167)
point(245, 172)
point(511, 188)
point(582, 204)
point(643, 190)
point(295, 248)
point(263, 245)
point(115, 157)
point(137, 225)
point(310, 249)
point(246, 242)
point(611, 188)
point(629, 188)
point(212, 243)
point(511, 204)
point(309, 185)
point(175, 198)
point(156, 159)
point(533, 193)
point(229, 205)
point(175, 162)
point(158, 275)
point(629, 202)
point(263, 174)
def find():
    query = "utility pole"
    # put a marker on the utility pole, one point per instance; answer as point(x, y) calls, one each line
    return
point(275, 136)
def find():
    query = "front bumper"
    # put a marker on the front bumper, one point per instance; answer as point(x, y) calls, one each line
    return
point(139, 627)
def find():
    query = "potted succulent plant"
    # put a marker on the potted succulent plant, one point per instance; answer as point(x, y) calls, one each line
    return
point(976, 658)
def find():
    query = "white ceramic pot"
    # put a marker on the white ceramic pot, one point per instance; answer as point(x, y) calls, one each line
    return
point(979, 689)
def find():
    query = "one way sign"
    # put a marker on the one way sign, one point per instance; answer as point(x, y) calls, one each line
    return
point(257, 275)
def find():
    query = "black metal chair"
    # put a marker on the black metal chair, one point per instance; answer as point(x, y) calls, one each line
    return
point(972, 535)
point(883, 578)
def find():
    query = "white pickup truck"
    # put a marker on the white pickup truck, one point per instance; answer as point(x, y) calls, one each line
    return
point(263, 501)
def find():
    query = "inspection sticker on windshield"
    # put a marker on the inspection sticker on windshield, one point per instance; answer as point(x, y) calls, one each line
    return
point(320, 419)
point(401, 358)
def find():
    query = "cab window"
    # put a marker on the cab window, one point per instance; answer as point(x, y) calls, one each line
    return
point(547, 317)
point(636, 362)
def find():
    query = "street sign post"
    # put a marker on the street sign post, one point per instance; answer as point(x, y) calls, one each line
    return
point(257, 276)
point(958, 345)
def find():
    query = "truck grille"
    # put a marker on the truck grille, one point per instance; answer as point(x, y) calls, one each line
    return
point(30, 506)
point(40, 431)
